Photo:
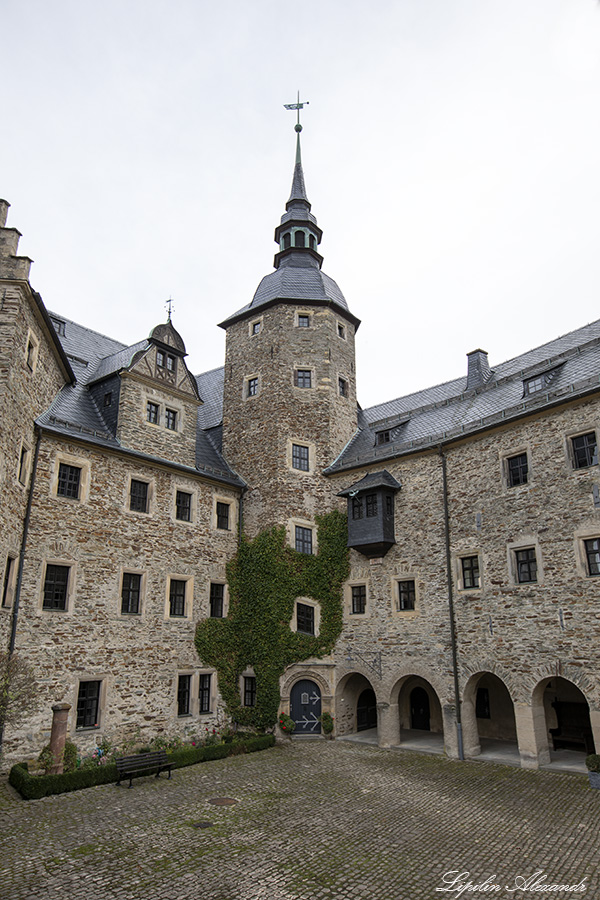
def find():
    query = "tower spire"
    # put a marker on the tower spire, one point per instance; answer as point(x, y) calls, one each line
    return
point(298, 192)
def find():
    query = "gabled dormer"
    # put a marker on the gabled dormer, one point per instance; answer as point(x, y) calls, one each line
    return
point(371, 513)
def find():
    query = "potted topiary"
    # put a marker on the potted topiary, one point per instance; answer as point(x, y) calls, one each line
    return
point(593, 765)
point(326, 720)
point(287, 724)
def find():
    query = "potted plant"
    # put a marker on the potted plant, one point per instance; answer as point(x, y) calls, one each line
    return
point(286, 723)
point(593, 765)
point(326, 720)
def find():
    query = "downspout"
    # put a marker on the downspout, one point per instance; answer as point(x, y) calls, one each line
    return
point(459, 733)
point(17, 596)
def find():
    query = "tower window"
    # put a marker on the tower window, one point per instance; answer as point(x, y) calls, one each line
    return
point(341, 331)
point(304, 540)
point(303, 378)
point(300, 457)
point(303, 320)
point(152, 412)
point(312, 242)
point(300, 239)
point(252, 387)
point(343, 387)
point(287, 240)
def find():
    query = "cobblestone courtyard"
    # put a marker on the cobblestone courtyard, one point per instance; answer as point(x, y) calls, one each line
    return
point(312, 820)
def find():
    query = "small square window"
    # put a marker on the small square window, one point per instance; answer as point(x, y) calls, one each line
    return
point(183, 695)
point(359, 599)
point(304, 540)
point(183, 506)
point(592, 552)
point(383, 437)
point(300, 458)
point(357, 508)
point(130, 594)
point(371, 505)
point(204, 694)
point(256, 328)
point(69, 480)
point(303, 378)
point(171, 419)
point(252, 387)
point(343, 387)
point(88, 704)
point(177, 598)
point(517, 469)
point(305, 618)
point(532, 385)
point(217, 596)
point(138, 496)
point(526, 566)
point(223, 516)
point(406, 595)
point(341, 331)
point(56, 583)
point(303, 320)
point(470, 572)
point(249, 690)
point(585, 450)
point(152, 412)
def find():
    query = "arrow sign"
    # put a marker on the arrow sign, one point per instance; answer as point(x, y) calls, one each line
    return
point(309, 721)
point(315, 698)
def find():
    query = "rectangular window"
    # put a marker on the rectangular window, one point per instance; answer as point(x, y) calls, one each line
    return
point(56, 585)
point(88, 702)
point(517, 469)
point(252, 387)
point(171, 419)
point(223, 516)
point(303, 378)
point(161, 358)
point(249, 690)
point(470, 571)
point(303, 540)
point(371, 504)
point(130, 594)
point(183, 695)
point(217, 595)
point(341, 331)
point(303, 320)
point(383, 437)
point(183, 506)
point(7, 588)
point(406, 595)
point(170, 363)
point(69, 479)
point(389, 505)
point(526, 565)
point(343, 387)
point(305, 618)
point(138, 496)
point(255, 327)
point(300, 457)
point(592, 552)
point(357, 508)
point(177, 598)
point(204, 694)
point(585, 450)
point(359, 599)
point(152, 412)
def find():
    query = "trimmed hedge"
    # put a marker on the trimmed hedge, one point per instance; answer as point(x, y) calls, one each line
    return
point(32, 787)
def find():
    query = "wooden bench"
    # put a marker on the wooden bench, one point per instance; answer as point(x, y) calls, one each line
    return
point(142, 763)
point(574, 729)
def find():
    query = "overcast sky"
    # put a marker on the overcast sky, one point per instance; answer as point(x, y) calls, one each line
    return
point(450, 150)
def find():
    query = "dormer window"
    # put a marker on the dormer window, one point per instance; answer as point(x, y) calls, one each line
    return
point(383, 437)
point(538, 382)
point(165, 361)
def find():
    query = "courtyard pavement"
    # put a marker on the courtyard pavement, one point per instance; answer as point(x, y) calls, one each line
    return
point(314, 820)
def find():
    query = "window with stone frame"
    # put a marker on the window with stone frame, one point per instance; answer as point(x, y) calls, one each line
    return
point(406, 595)
point(341, 330)
point(184, 683)
point(171, 419)
point(223, 516)
point(526, 565)
point(584, 450)
point(300, 457)
point(177, 592)
point(359, 599)
point(152, 412)
point(304, 540)
point(131, 590)
point(256, 328)
point(88, 704)
point(249, 690)
point(592, 555)
point(252, 387)
point(303, 320)
point(303, 378)
point(183, 506)
point(8, 584)
point(217, 598)
point(342, 387)
point(470, 572)
point(517, 470)
point(305, 618)
point(56, 587)
point(204, 693)
point(69, 481)
point(138, 496)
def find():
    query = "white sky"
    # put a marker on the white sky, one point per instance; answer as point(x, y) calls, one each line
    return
point(450, 150)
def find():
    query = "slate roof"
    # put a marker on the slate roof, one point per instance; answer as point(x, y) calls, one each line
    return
point(74, 413)
point(448, 411)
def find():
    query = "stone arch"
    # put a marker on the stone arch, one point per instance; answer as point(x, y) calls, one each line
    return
point(349, 690)
point(487, 711)
point(415, 709)
point(291, 678)
point(562, 715)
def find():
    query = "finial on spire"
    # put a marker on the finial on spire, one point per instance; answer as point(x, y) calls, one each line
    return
point(169, 308)
point(297, 106)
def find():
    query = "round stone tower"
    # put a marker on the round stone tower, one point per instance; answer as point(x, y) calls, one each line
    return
point(289, 404)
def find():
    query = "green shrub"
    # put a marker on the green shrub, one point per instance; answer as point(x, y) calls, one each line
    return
point(593, 762)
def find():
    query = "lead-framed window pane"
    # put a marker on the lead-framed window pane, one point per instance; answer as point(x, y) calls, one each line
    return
point(585, 450)
point(526, 563)
point(517, 469)
point(304, 540)
point(406, 595)
point(204, 693)
point(305, 618)
point(357, 508)
point(183, 506)
point(177, 598)
point(592, 552)
point(88, 702)
point(371, 505)
point(359, 599)
point(217, 596)
point(69, 480)
point(470, 571)
point(138, 496)
point(183, 695)
point(56, 583)
point(300, 459)
point(130, 593)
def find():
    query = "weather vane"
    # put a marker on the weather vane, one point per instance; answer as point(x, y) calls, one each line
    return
point(297, 106)
point(169, 307)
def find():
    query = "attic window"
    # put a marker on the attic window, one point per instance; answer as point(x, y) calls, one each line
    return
point(165, 360)
point(59, 325)
point(383, 437)
point(538, 382)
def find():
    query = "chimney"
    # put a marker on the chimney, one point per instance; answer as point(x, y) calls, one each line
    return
point(479, 371)
point(4, 204)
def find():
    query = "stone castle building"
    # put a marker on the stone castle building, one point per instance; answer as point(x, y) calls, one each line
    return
point(472, 608)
